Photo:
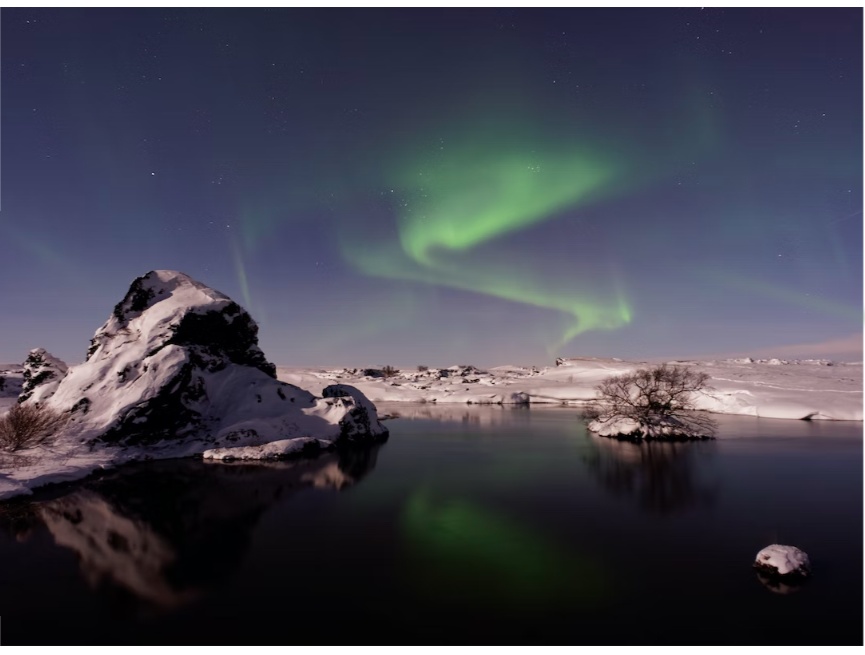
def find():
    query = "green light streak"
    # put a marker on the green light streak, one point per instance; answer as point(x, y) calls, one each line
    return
point(243, 281)
point(489, 194)
point(463, 199)
point(577, 300)
point(464, 552)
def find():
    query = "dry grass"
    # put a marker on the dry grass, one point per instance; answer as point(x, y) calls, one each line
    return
point(28, 425)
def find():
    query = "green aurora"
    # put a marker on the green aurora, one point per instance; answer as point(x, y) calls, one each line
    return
point(452, 205)
point(463, 551)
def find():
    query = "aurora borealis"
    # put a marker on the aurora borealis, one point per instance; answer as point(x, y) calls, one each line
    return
point(440, 185)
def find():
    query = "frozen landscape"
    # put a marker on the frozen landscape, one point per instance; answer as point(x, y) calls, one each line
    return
point(765, 388)
point(257, 428)
point(175, 371)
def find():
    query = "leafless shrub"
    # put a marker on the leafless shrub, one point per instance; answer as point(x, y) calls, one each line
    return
point(662, 395)
point(389, 371)
point(27, 425)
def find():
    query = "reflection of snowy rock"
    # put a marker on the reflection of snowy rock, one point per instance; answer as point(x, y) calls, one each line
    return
point(112, 546)
point(782, 561)
point(42, 373)
point(780, 586)
point(163, 531)
point(474, 415)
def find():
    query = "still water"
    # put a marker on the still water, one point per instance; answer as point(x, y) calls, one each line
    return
point(477, 525)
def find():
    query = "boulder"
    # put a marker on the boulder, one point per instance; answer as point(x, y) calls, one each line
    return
point(177, 365)
point(777, 561)
point(361, 418)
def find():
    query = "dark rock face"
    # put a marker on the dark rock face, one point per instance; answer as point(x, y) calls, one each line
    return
point(167, 415)
point(373, 373)
point(136, 300)
point(229, 334)
point(41, 368)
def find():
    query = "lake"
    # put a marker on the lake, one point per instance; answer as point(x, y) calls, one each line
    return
point(471, 525)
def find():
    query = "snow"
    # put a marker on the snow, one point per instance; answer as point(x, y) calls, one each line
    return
point(272, 450)
point(784, 560)
point(177, 371)
point(797, 389)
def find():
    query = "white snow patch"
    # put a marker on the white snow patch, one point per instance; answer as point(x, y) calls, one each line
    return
point(784, 560)
point(272, 450)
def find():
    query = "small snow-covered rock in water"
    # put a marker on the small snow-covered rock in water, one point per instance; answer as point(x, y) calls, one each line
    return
point(778, 560)
point(361, 417)
point(664, 429)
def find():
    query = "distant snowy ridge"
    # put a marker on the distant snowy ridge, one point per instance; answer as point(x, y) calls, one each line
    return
point(788, 389)
point(41, 375)
point(175, 371)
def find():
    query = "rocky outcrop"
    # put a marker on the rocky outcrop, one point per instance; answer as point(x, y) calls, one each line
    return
point(42, 373)
point(783, 562)
point(177, 366)
point(361, 417)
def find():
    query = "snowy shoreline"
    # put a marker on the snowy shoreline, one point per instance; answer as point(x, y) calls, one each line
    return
point(809, 389)
point(798, 389)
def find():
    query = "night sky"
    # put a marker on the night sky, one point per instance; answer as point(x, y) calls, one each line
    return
point(441, 186)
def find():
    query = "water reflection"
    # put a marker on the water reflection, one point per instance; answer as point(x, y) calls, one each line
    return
point(474, 415)
point(162, 532)
point(660, 476)
point(466, 553)
point(778, 586)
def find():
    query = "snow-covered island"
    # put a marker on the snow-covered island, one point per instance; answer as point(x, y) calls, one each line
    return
point(175, 371)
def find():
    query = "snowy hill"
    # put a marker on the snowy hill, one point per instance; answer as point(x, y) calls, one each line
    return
point(176, 370)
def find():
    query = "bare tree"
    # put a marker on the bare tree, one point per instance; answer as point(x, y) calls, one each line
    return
point(28, 425)
point(389, 371)
point(656, 402)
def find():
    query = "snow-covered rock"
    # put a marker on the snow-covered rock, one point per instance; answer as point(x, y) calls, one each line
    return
point(778, 560)
point(668, 428)
point(273, 450)
point(176, 370)
point(42, 373)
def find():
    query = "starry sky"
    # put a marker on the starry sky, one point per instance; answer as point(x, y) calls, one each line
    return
point(441, 186)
